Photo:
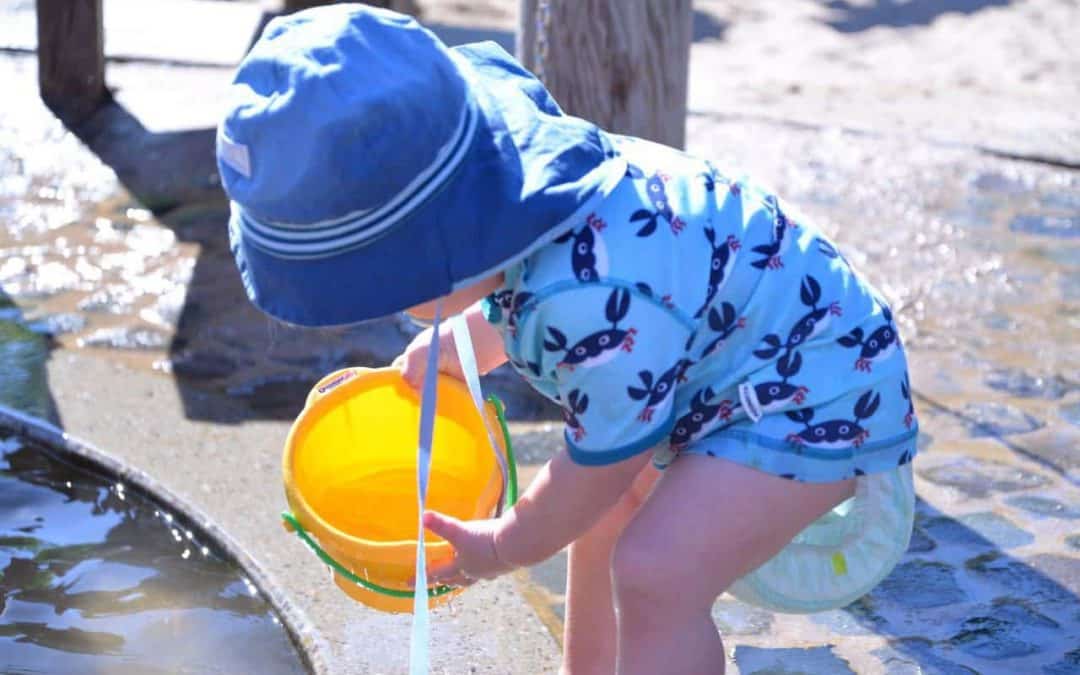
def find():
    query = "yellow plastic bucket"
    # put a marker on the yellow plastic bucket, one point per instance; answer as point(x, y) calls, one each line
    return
point(350, 478)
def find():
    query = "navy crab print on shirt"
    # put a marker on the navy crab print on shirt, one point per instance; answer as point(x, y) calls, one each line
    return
point(781, 238)
point(771, 349)
point(526, 366)
point(713, 177)
point(576, 404)
point(725, 322)
point(809, 325)
point(878, 345)
point(647, 290)
point(656, 392)
point(830, 251)
point(499, 303)
point(654, 186)
point(838, 433)
point(588, 257)
point(773, 396)
point(905, 391)
point(600, 346)
point(700, 419)
point(723, 259)
point(515, 310)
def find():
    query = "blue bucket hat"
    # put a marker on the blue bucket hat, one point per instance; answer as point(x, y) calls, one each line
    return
point(371, 168)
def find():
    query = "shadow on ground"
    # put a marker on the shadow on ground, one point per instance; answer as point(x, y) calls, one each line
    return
point(961, 602)
point(230, 362)
point(853, 17)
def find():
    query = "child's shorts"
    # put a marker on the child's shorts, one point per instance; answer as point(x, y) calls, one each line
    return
point(841, 556)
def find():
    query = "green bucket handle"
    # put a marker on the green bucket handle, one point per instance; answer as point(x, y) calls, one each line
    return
point(511, 497)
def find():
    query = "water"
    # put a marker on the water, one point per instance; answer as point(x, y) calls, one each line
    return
point(979, 255)
point(96, 578)
point(22, 366)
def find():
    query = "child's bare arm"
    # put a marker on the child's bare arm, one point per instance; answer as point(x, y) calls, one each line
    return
point(562, 503)
point(487, 343)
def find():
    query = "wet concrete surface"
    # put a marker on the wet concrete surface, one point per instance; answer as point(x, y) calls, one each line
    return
point(978, 252)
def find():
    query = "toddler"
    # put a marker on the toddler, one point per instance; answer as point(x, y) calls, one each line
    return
point(676, 312)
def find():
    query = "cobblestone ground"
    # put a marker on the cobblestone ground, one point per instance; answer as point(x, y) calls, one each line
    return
point(979, 255)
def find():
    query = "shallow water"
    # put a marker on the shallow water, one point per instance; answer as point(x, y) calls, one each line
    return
point(978, 255)
point(95, 578)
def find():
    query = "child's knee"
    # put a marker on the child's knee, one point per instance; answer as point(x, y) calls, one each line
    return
point(642, 571)
point(645, 569)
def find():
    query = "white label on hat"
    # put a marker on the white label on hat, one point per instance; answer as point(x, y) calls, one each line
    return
point(749, 400)
point(236, 156)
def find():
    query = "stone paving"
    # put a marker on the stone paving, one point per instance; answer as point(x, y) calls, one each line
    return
point(988, 308)
point(967, 220)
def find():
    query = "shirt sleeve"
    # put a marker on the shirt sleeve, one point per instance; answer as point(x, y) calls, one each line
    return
point(613, 358)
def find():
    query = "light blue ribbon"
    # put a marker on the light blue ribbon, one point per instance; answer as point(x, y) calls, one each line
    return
point(467, 357)
point(419, 658)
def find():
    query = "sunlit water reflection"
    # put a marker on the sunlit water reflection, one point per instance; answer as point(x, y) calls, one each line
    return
point(95, 578)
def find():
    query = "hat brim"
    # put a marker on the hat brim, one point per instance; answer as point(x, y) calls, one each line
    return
point(529, 173)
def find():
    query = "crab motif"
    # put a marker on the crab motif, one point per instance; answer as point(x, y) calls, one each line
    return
point(588, 257)
point(725, 322)
point(905, 391)
point(647, 290)
point(576, 404)
point(837, 433)
point(828, 250)
point(878, 345)
point(719, 265)
point(781, 238)
point(516, 304)
point(701, 414)
point(655, 186)
point(597, 347)
point(809, 325)
point(713, 177)
point(656, 392)
point(772, 396)
point(503, 299)
point(526, 367)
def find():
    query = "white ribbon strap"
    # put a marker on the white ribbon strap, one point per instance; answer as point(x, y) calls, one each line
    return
point(419, 661)
point(467, 356)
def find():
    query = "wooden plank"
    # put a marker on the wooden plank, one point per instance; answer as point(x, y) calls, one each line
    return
point(623, 64)
point(525, 44)
point(297, 5)
point(71, 57)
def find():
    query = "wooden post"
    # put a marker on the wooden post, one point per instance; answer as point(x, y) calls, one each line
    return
point(623, 64)
point(525, 43)
point(71, 57)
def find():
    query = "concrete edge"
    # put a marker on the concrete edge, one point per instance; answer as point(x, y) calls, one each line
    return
point(305, 638)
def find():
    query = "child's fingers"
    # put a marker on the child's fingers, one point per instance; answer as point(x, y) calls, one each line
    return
point(450, 529)
point(412, 365)
point(441, 573)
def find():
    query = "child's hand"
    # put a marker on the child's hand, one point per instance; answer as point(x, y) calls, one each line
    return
point(413, 361)
point(487, 345)
point(475, 556)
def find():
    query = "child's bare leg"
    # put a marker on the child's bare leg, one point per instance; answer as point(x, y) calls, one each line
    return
point(589, 630)
point(707, 522)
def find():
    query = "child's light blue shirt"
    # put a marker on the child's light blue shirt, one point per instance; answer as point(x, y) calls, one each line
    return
point(694, 312)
